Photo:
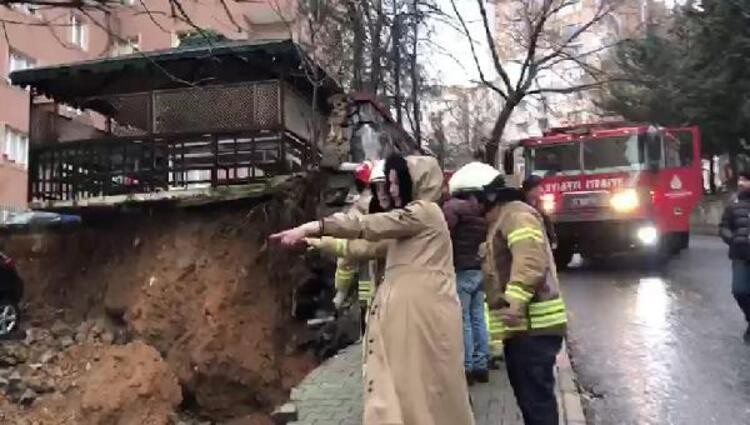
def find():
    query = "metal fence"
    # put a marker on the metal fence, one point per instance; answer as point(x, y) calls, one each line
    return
point(92, 168)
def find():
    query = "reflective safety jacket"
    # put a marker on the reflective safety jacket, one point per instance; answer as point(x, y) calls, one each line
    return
point(360, 258)
point(351, 267)
point(495, 330)
point(520, 273)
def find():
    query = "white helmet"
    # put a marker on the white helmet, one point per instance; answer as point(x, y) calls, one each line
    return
point(377, 175)
point(472, 177)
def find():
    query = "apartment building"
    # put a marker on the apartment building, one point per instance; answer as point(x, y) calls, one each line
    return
point(43, 36)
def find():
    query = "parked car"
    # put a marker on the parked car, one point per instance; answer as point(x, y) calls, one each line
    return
point(11, 292)
point(40, 219)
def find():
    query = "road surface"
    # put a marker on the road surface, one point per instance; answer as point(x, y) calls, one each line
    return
point(660, 347)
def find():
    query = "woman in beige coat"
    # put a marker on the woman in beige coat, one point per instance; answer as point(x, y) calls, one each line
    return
point(414, 344)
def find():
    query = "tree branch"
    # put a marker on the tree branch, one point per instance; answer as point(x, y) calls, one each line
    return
point(577, 88)
point(598, 16)
point(229, 15)
point(467, 33)
point(489, 33)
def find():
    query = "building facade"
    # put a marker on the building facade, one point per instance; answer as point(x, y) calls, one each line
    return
point(44, 36)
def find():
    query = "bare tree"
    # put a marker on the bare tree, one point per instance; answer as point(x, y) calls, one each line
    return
point(458, 118)
point(533, 46)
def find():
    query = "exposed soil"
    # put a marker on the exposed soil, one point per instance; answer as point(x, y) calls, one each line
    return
point(192, 314)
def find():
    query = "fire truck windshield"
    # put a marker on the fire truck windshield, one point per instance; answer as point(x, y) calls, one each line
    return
point(594, 156)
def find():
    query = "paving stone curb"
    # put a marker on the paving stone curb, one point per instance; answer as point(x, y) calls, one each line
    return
point(568, 394)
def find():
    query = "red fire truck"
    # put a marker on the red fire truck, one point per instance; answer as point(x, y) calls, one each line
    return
point(613, 188)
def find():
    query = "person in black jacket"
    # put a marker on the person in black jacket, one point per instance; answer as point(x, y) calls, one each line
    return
point(735, 231)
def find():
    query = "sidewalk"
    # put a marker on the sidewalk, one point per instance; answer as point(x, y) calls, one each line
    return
point(332, 395)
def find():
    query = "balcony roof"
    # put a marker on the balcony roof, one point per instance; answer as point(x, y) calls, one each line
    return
point(219, 62)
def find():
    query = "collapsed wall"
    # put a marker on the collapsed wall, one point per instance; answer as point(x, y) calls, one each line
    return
point(188, 299)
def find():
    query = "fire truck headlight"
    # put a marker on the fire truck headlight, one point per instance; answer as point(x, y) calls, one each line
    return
point(625, 201)
point(548, 203)
point(648, 235)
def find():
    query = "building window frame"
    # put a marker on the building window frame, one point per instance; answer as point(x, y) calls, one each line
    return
point(126, 46)
point(79, 31)
point(16, 146)
point(25, 8)
point(19, 61)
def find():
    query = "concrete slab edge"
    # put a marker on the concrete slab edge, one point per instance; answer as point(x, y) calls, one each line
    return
point(572, 406)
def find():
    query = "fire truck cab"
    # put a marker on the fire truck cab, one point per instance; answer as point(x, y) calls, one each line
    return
point(614, 188)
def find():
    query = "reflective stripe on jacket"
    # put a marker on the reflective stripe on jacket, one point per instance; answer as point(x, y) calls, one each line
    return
point(520, 271)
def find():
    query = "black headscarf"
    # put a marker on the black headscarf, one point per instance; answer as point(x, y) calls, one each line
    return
point(398, 163)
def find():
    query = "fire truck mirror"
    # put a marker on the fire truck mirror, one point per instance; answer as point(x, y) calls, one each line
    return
point(508, 166)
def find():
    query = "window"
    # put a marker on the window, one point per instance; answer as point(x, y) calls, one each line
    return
point(28, 9)
point(18, 61)
point(126, 46)
point(555, 160)
point(678, 150)
point(614, 154)
point(568, 31)
point(16, 146)
point(571, 6)
point(78, 32)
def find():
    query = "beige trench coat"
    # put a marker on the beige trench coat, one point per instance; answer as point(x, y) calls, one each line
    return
point(414, 373)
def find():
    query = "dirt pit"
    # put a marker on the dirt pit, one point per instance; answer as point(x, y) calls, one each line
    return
point(159, 315)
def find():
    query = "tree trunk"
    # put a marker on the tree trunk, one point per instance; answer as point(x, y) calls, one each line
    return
point(711, 175)
point(490, 154)
point(358, 46)
point(397, 64)
point(415, 76)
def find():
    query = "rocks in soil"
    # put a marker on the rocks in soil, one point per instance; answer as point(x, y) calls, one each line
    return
point(30, 369)
point(27, 397)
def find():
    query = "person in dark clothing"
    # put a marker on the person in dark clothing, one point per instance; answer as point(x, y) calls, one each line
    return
point(468, 229)
point(532, 195)
point(735, 231)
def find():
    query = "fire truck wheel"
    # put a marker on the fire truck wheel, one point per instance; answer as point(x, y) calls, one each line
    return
point(563, 257)
point(684, 240)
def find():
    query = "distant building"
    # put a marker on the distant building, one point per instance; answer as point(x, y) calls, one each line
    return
point(456, 121)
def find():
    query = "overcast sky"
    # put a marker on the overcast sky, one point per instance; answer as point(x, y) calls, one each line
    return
point(449, 60)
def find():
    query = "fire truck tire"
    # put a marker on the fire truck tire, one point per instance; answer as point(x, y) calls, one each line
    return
point(563, 257)
point(684, 240)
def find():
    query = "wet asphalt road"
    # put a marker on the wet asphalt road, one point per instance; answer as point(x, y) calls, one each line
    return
point(660, 347)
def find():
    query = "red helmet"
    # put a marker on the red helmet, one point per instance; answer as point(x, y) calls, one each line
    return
point(362, 173)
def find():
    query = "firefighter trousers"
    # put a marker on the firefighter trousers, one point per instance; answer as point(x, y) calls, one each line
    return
point(530, 361)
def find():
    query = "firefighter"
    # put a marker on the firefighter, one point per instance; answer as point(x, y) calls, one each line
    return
point(348, 269)
point(359, 258)
point(523, 292)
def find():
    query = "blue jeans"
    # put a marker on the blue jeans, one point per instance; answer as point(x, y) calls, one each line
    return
point(476, 338)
